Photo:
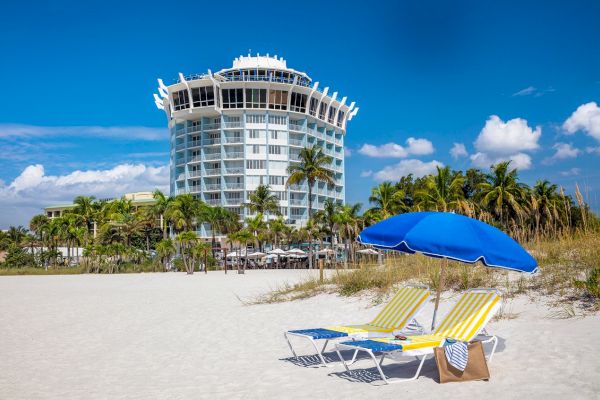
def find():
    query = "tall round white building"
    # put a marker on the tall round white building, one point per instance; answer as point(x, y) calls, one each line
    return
point(243, 126)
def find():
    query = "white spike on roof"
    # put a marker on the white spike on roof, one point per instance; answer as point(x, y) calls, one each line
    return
point(259, 62)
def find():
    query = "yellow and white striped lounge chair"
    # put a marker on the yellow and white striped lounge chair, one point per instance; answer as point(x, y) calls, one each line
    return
point(397, 316)
point(466, 321)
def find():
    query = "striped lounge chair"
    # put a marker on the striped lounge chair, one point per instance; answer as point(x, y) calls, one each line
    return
point(397, 316)
point(466, 322)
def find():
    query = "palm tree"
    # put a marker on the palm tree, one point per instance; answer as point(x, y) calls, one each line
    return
point(220, 220)
point(262, 201)
point(546, 204)
point(348, 220)
point(313, 166)
point(39, 224)
point(243, 237)
point(183, 210)
point(87, 209)
point(159, 209)
point(388, 201)
point(165, 249)
point(503, 193)
point(187, 240)
point(257, 226)
point(443, 191)
point(16, 234)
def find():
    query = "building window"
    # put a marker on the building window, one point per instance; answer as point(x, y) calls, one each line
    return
point(277, 120)
point(278, 99)
point(253, 134)
point(255, 119)
point(331, 115)
point(255, 149)
point(233, 98)
point(274, 135)
point(340, 119)
point(322, 109)
point(313, 106)
point(274, 149)
point(276, 180)
point(298, 102)
point(256, 98)
point(280, 195)
point(255, 164)
point(203, 96)
point(181, 100)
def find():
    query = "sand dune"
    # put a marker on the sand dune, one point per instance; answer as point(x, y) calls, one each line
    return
point(172, 336)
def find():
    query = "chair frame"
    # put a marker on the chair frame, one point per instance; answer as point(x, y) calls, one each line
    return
point(412, 327)
point(480, 335)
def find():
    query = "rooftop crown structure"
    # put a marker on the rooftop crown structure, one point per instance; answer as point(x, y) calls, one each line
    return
point(243, 126)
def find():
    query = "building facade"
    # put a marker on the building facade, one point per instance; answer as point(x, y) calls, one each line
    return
point(243, 126)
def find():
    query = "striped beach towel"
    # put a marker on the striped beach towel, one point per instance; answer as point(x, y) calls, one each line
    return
point(457, 353)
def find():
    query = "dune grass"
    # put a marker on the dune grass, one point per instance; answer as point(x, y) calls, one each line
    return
point(562, 262)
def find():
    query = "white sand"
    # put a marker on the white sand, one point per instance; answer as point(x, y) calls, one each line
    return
point(172, 336)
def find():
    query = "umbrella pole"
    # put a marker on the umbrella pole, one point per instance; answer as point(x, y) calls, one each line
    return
point(439, 291)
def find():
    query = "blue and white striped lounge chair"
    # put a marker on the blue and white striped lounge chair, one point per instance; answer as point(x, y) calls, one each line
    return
point(397, 316)
point(465, 322)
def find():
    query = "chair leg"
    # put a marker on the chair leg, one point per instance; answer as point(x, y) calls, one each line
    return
point(318, 352)
point(287, 339)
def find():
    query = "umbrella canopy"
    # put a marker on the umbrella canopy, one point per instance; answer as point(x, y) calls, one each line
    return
point(296, 251)
point(325, 251)
point(278, 252)
point(256, 254)
point(449, 235)
point(372, 252)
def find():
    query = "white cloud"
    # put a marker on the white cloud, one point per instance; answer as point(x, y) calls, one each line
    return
point(505, 141)
point(505, 138)
point(114, 132)
point(563, 151)
point(347, 152)
point(32, 190)
point(586, 118)
point(458, 150)
point(366, 174)
point(412, 166)
point(571, 172)
point(525, 92)
point(484, 160)
point(392, 150)
point(592, 150)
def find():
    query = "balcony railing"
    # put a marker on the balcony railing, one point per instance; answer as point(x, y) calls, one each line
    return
point(298, 187)
point(194, 143)
point(209, 142)
point(194, 174)
point(234, 186)
point(213, 186)
point(296, 127)
point(234, 139)
point(297, 202)
point(234, 170)
point(233, 200)
point(214, 202)
point(213, 171)
point(209, 127)
point(194, 189)
point(180, 132)
point(180, 146)
point(297, 142)
point(212, 156)
point(234, 155)
point(180, 161)
point(232, 124)
point(180, 177)
point(196, 158)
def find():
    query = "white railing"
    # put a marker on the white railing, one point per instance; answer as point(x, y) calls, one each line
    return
point(209, 127)
point(209, 142)
point(233, 200)
point(213, 186)
point(234, 155)
point(214, 202)
point(180, 161)
point(194, 174)
point(296, 142)
point(296, 127)
point(232, 124)
point(196, 158)
point(180, 177)
point(212, 156)
point(233, 139)
point(194, 143)
point(234, 170)
point(194, 189)
point(213, 171)
point(234, 186)
point(297, 202)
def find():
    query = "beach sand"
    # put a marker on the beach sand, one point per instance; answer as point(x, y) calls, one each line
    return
point(172, 336)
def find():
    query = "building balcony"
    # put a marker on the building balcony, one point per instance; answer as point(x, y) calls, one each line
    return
point(180, 146)
point(214, 202)
point(296, 127)
point(233, 201)
point(232, 124)
point(211, 127)
point(234, 170)
point(211, 187)
point(297, 202)
point(211, 142)
point(195, 159)
point(180, 132)
point(234, 155)
point(180, 177)
point(194, 174)
point(299, 188)
point(234, 139)
point(180, 161)
point(234, 186)
point(194, 143)
point(212, 172)
point(297, 142)
point(194, 189)
point(212, 156)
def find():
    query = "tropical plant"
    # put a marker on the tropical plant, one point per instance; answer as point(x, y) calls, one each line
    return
point(262, 201)
point(387, 201)
point(443, 191)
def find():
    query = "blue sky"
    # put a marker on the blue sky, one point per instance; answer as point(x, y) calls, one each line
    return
point(502, 79)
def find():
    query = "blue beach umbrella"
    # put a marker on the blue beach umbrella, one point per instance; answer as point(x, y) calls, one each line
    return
point(451, 237)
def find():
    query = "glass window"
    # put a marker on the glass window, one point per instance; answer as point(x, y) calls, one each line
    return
point(277, 120)
point(331, 115)
point(233, 98)
point(255, 164)
point(256, 98)
point(313, 106)
point(181, 100)
point(255, 149)
point(278, 99)
point(274, 134)
point(274, 149)
point(253, 134)
point(255, 119)
point(322, 109)
point(340, 119)
point(203, 96)
point(298, 102)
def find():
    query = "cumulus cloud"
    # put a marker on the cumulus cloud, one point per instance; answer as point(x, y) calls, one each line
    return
point(114, 132)
point(562, 152)
point(347, 152)
point(484, 160)
point(413, 146)
point(366, 174)
point(506, 141)
point(33, 189)
point(586, 118)
point(405, 167)
point(458, 150)
point(593, 150)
